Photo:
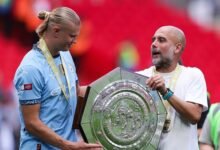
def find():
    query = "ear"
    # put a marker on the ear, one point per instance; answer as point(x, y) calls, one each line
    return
point(178, 49)
point(55, 30)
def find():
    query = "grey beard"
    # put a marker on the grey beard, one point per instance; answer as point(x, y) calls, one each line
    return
point(164, 63)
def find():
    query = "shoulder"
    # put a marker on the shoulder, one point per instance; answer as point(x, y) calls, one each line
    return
point(28, 73)
point(33, 58)
point(30, 66)
point(192, 71)
point(215, 105)
point(214, 108)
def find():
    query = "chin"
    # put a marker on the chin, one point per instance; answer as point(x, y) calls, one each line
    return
point(156, 62)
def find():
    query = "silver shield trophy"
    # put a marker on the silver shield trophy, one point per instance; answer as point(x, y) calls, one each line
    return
point(121, 113)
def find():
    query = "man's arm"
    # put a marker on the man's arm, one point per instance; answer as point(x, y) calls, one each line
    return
point(205, 139)
point(36, 127)
point(190, 111)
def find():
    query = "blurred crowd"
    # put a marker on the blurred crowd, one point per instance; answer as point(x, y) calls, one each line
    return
point(9, 121)
point(205, 13)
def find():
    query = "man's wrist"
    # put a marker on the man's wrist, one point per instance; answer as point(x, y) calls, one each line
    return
point(168, 94)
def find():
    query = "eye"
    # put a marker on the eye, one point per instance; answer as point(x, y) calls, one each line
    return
point(161, 39)
point(72, 36)
point(153, 39)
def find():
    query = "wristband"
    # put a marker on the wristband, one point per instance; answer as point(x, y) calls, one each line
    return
point(168, 94)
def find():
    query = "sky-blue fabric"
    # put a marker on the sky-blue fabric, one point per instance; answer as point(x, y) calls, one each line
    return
point(55, 111)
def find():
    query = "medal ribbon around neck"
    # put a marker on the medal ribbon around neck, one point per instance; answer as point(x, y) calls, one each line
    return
point(172, 85)
point(49, 58)
point(174, 78)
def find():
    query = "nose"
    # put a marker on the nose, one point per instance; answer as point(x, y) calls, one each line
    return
point(154, 44)
point(73, 41)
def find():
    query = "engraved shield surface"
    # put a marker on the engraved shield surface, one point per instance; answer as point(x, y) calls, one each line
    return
point(122, 113)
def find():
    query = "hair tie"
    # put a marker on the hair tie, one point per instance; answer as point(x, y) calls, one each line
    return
point(44, 15)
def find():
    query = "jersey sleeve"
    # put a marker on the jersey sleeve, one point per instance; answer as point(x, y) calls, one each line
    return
point(28, 82)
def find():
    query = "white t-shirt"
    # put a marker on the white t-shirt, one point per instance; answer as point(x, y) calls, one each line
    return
point(190, 86)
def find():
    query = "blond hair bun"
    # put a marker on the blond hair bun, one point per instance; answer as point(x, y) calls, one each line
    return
point(43, 14)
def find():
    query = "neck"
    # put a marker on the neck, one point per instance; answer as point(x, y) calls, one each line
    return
point(167, 69)
point(53, 50)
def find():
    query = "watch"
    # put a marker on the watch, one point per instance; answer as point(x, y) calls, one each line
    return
point(168, 94)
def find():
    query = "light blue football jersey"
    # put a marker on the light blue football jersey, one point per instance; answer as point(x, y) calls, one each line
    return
point(36, 83)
